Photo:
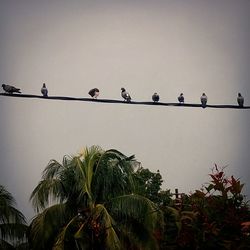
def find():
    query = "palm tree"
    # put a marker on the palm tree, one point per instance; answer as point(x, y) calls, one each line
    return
point(12, 222)
point(88, 202)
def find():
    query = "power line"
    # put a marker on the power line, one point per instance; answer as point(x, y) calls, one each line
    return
point(68, 98)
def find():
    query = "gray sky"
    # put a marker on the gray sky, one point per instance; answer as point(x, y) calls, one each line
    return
point(166, 46)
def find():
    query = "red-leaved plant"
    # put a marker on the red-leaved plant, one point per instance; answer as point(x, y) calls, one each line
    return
point(212, 217)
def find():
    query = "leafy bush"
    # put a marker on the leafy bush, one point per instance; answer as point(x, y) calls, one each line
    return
point(212, 217)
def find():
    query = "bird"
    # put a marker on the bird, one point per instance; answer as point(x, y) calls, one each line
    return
point(94, 93)
point(203, 100)
point(181, 98)
point(125, 95)
point(44, 90)
point(155, 97)
point(10, 89)
point(240, 100)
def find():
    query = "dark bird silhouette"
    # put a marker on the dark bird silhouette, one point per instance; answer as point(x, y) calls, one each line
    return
point(155, 97)
point(44, 90)
point(94, 93)
point(125, 95)
point(10, 89)
point(240, 100)
point(181, 98)
point(203, 100)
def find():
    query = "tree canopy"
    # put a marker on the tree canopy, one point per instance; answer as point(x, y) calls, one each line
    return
point(95, 204)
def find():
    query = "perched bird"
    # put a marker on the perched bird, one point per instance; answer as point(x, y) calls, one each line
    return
point(125, 95)
point(240, 100)
point(44, 90)
point(181, 98)
point(155, 97)
point(203, 100)
point(94, 92)
point(10, 89)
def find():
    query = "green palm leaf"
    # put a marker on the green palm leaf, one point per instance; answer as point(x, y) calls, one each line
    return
point(138, 207)
point(46, 226)
point(65, 234)
point(8, 213)
point(138, 218)
point(47, 191)
point(106, 221)
point(12, 221)
point(97, 207)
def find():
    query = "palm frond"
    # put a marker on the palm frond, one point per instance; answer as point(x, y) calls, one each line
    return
point(138, 219)
point(53, 169)
point(11, 214)
point(112, 154)
point(137, 207)
point(13, 231)
point(8, 213)
point(80, 233)
point(97, 184)
point(63, 234)
point(6, 199)
point(47, 191)
point(82, 184)
point(46, 225)
point(113, 176)
point(106, 221)
point(12, 221)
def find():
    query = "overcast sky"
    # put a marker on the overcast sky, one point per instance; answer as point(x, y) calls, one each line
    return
point(169, 47)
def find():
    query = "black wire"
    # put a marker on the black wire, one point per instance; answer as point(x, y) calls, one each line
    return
point(68, 98)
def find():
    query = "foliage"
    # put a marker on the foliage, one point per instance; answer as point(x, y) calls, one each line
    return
point(211, 218)
point(105, 200)
point(95, 205)
point(12, 222)
point(149, 184)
